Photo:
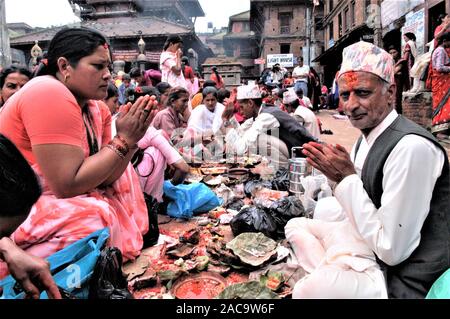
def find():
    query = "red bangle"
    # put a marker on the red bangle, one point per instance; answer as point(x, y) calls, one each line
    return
point(118, 149)
point(122, 140)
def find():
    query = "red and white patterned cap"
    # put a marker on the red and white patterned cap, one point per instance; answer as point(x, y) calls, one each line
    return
point(366, 57)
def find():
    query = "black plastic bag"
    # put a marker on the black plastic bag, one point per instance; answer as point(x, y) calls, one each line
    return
point(281, 180)
point(251, 185)
point(153, 207)
point(108, 281)
point(284, 210)
point(235, 204)
point(254, 219)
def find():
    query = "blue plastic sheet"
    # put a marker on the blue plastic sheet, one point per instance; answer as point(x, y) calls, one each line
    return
point(71, 267)
point(190, 199)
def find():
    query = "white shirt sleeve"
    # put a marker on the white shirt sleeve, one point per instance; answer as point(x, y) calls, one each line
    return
point(240, 139)
point(410, 174)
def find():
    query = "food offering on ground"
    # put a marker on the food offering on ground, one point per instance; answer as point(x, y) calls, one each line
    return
point(205, 285)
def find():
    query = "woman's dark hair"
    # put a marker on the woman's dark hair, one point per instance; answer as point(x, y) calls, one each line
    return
point(209, 90)
point(185, 60)
point(111, 91)
point(214, 69)
point(444, 37)
point(72, 44)
point(136, 72)
point(173, 39)
point(126, 77)
point(392, 47)
point(223, 94)
point(209, 83)
point(163, 87)
point(410, 36)
point(19, 186)
point(176, 93)
point(13, 69)
point(441, 17)
point(132, 94)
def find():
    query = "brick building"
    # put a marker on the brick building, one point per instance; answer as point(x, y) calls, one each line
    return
point(284, 27)
point(344, 23)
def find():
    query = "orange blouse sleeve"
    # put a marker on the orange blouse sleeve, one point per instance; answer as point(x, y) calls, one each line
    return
point(51, 115)
point(106, 123)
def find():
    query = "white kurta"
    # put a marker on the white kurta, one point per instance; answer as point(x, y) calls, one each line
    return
point(410, 173)
point(311, 123)
point(338, 262)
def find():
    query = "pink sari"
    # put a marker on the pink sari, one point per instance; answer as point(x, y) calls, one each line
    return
point(55, 223)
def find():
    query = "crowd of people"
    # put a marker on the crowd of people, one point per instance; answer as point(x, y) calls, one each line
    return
point(95, 152)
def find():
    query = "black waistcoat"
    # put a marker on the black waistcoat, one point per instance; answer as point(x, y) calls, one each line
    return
point(413, 277)
point(290, 131)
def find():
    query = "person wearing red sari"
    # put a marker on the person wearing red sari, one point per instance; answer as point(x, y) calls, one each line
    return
point(216, 77)
point(440, 86)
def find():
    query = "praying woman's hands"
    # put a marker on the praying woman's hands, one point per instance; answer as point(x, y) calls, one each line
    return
point(135, 119)
point(333, 161)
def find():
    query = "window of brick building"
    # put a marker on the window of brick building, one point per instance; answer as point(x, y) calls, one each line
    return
point(340, 24)
point(352, 14)
point(285, 48)
point(285, 22)
point(347, 24)
point(331, 31)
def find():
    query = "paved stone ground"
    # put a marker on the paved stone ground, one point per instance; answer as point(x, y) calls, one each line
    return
point(344, 133)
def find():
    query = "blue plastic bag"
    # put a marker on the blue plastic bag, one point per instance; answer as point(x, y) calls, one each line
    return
point(71, 267)
point(441, 287)
point(190, 199)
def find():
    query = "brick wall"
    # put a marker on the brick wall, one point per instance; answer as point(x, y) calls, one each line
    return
point(418, 108)
point(272, 24)
point(272, 46)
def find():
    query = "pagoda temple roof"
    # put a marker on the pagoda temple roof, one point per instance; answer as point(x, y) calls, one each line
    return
point(128, 27)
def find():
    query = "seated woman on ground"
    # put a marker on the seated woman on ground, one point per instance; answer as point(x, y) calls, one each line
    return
point(64, 132)
point(170, 120)
point(205, 123)
point(12, 79)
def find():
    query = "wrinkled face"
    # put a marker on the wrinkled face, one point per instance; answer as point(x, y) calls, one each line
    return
point(89, 79)
point(181, 104)
point(113, 104)
point(247, 108)
point(13, 83)
point(365, 100)
point(393, 53)
point(210, 101)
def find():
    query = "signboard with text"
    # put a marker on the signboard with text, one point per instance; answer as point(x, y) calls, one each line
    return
point(285, 60)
